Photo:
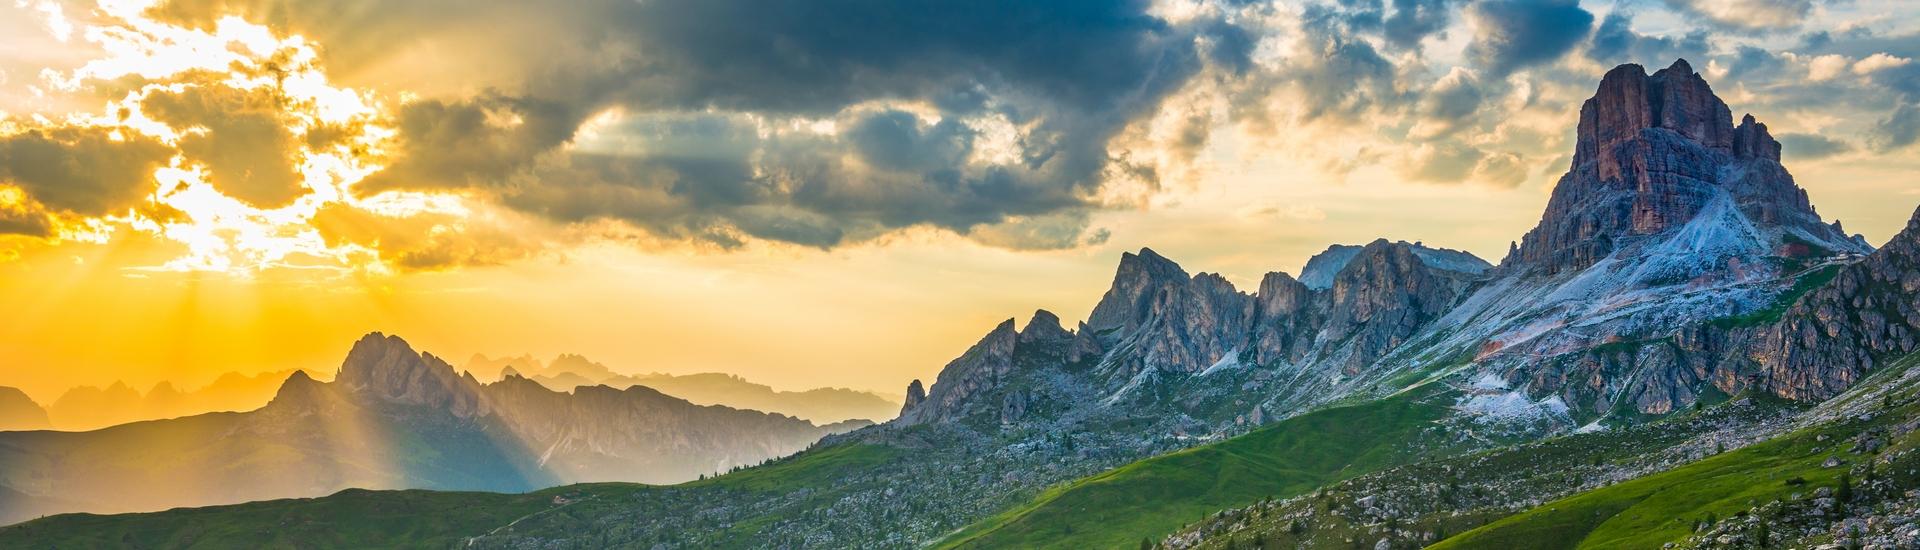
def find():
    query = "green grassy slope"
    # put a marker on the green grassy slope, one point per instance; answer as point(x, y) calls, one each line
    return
point(1153, 497)
point(351, 518)
point(413, 519)
point(1650, 511)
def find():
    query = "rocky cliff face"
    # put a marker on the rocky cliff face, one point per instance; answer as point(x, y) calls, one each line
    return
point(1839, 332)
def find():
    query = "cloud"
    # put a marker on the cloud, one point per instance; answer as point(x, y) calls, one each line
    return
point(17, 217)
point(426, 241)
point(1515, 34)
point(1066, 229)
point(1812, 146)
point(951, 114)
point(1825, 67)
point(244, 138)
point(1415, 20)
point(1899, 130)
point(81, 170)
point(1747, 14)
point(1877, 62)
point(1615, 42)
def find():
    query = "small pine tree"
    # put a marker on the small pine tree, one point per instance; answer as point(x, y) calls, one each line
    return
point(1146, 544)
point(1761, 535)
point(1844, 492)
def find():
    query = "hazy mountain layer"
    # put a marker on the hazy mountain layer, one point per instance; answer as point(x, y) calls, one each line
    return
point(568, 371)
point(392, 418)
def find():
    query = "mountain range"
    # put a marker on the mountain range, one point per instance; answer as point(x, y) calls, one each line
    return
point(93, 407)
point(568, 371)
point(1682, 353)
point(392, 418)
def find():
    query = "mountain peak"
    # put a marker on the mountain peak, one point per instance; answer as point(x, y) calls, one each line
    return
point(1136, 280)
point(388, 368)
point(1653, 153)
point(1628, 102)
point(1044, 326)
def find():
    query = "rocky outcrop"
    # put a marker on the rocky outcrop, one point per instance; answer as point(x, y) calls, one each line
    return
point(915, 395)
point(1383, 297)
point(978, 370)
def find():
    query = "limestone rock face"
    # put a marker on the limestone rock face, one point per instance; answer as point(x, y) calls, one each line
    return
point(978, 370)
point(1385, 296)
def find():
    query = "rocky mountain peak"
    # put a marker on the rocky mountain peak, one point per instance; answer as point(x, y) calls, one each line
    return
point(1653, 152)
point(1629, 101)
point(387, 368)
point(1139, 278)
point(1044, 326)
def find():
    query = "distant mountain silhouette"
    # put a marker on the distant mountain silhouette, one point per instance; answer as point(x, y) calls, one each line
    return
point(392, 418)
point(569, 371)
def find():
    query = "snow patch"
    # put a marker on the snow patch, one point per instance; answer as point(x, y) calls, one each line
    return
point(1592, 427)
point(1490, 382)
point(1228, 362)
point(1512, 407)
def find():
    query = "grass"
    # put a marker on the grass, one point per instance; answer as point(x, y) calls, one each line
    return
point(1650, 511)
point(1156, 496)
point(1653, 510)
point(357, 518)
point(348, 519)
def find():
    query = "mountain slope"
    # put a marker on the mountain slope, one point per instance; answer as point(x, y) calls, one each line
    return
point(19, 412)
point(1157, 495)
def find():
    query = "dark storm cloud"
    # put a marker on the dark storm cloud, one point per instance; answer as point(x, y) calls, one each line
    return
point(896, 140)
point(1899, 130)
point(1811, 146)
point(1340, 75)
point(21, 220)
point(81, 170)
point(1615, 43)
point(1414, 20)
point(1516, 34)
point(1069, 75)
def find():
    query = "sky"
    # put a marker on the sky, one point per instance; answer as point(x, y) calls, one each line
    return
point(840, 193)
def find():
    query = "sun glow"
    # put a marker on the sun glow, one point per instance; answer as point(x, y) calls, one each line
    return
point(338, 137)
